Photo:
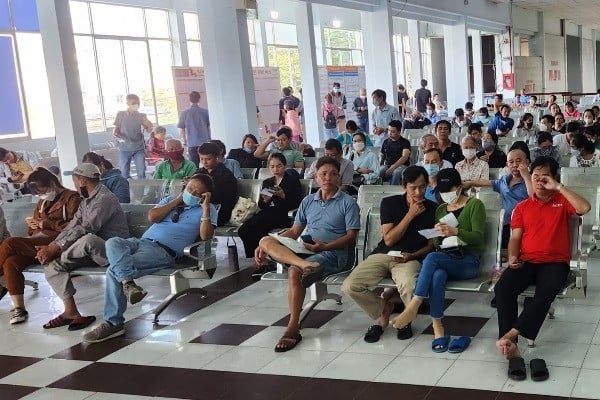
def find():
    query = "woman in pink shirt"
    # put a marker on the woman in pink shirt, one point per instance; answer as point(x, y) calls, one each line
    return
point(292, 119)
point(570, 111)
point(330, 113)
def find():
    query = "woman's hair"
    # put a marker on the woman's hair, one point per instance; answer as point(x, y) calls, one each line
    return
point(97, 160)
point(569, 104)
point(579, 140)
point(278, 156)
point(523, 118)
point(362, 135)
point(42, 178)
point(251, 137)
point(351, 125)
point(484, 110)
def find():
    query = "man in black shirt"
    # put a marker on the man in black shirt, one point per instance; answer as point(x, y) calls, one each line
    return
point(422, 97)
point(225, 184)
point(402, 217)
point(395, 154)
point(451, 151)
point(287, 95)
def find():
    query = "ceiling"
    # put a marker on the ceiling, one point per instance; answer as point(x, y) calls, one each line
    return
point(581, 12)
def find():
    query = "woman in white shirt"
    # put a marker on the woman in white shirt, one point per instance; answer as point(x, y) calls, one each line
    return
point(471, 168)
point(365, 162)
point(583, 152)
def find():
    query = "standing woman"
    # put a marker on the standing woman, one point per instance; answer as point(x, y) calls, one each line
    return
point(54, 210)
point(109, 176)
point(330, 113)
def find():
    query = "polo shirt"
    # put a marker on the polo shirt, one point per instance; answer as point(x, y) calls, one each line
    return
point(291, 155)
point(381, 117)
point(431, 193)
point(178, 235)
point(510, 196)
point(545, 229)
point(330, 220)
point(130, 125)
point(499, 122)
point(196, 123)
point(453, 153)
point(392, 150)
point(393, 209)
point(164, 170)
point(346, 172)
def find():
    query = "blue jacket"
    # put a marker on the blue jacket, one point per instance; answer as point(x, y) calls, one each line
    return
point(504, 124)
point(115, 182)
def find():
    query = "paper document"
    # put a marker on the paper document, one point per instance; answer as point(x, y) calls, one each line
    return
point(449, 219)
point(430, 233)
point(267, 192)
point(395, 253)
point(291, 244)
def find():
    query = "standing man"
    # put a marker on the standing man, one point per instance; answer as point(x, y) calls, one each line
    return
point(287, 95)
point(422, 97)
point(361, 107)
point(129, 133)
point(381, 116)
point(194, 127)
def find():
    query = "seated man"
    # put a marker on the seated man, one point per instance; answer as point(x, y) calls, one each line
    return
point(284, 145)
point(395, 154)
point(331, 218)
point(225, 184)
point(502, 123)
point(430, 141)
point(538, 253)
point(98, 218)
point(175, 166)
point(402, 216)
point(230, 163)
point(333, 149)
point(415, 120)
point(177, 223)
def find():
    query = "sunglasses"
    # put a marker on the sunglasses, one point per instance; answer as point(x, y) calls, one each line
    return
point(178, 211)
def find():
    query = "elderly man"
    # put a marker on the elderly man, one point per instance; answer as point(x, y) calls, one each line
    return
point(333, 149)
point(175, 166)
point(177, 223)
point(430, 141)
point(332, 220)
point(98, 218)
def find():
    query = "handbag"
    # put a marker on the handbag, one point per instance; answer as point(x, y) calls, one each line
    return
point(244, 209)
point(232, 254)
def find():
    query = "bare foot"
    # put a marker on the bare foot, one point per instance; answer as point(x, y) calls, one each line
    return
point(384, 319)
point(406, 317)
point(507, 348)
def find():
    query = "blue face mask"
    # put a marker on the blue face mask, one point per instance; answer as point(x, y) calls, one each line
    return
point(248, 150)
point(190, 200)
point(432, 169)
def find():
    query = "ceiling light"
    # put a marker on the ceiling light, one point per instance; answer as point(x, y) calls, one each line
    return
point(274, 14)
point(336, 23)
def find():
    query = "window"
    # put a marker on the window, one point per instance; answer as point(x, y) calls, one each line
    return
point(25, 102)
point(282, 46)
point(426, 58)
point(192, 39)
point(121, 50)
point(252, 41)
point(343, 47)
point(402, 50)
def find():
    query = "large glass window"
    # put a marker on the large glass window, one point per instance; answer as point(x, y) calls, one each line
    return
point(121, 50)
point(282, 45)
point(192, 39)
point(343, 47)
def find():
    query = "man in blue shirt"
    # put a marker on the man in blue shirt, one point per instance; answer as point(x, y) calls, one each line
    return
point(194, 127)
point(502, 123)
point(177, 223)
point(332, 220)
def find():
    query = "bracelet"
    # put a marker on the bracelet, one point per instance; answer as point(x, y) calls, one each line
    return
point(205, 219)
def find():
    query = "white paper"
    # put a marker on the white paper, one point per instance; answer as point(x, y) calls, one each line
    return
point(430, 233)
point(267, 192)
point(291, 244)
point(395, 253)
point(449, 219)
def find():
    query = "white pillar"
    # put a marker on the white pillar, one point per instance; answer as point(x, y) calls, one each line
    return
point(180, 51)
point(457, 63)
point(477, 69)
point(311, 97)
point(63, 80)
point(378, 50)
point(228, 70)
point(416, 66)
point(321, 52)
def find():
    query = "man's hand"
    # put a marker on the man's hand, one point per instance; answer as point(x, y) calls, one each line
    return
point(206, 203)
point(389, 171)
point(259, 256)
point(34, 223)
point(17, 176)
point(271, 139)
point(446, 230)
point(548, 183)
point(514, 262)
point(485, 157)
point(45, 254)
point(318, 246)
point(416, 208)
point(406, 257)
point(524, 170)
point(266, 198)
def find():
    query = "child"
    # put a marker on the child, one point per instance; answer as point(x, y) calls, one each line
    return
point(155, 151)
point(293, 121)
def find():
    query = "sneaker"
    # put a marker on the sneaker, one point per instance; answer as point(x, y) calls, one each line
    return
point(18, 315)
point(103, 332)
point(134, 293)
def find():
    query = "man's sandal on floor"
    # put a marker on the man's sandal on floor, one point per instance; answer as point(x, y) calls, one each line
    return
point(539, 370)
point(440, 345)
point(516, 369)
point(287, 342)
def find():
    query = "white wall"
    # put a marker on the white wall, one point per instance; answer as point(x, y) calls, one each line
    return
point(554, 60)
point(588, 69)
point(525, 21)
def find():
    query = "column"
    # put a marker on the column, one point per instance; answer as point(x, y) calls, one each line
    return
point(457, 63)
point(228, 71)
point(478, 100)
point(63, 80)
point(378, 50)
point(311, 96)
point(177, 26)
point(416, 66)
point(321, 52)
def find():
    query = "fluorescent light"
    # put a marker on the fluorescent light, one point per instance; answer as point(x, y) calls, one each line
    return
point(274, 14)
point(336, 23)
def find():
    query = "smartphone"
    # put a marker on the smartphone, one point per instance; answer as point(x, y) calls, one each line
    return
point(307, 239)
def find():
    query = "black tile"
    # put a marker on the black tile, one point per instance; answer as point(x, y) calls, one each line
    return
point(445, 393)
point(526, 396)
point(330, 389)
point(93, 352)
point(12, 364)
point(200, 385)
point(229, 334)
point(14, 392)
point(315, 319)
point(460, 326)
point(262, 387)
point(377, 390)
point(424, 308)
point(113, 378)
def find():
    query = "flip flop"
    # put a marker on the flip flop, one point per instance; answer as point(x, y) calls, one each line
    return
point(516, 369)
point(539, 370)
point(373, 334)
point(57, 322)
point(459, 345)
point(440, 345)
point(311, 275)
point(285, 339)
point(81, 322)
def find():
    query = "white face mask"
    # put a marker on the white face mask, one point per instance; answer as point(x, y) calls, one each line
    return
point(363, 98)
point(543, 128)
point(449, 197)
point(358, 146)
point(460, 123)
point(588, 121)
point(48, 196)
point(134, 107)
point(469, 153)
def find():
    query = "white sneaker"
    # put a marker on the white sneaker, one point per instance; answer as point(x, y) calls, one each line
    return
point(18, 315)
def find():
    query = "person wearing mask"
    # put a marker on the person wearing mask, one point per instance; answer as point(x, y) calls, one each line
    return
point(431, 114)
point(525, 129)
point(483, 117)
point(52, 213)
point(395, 154)
point(588, 117)
point(402, 100)
point(562, 142)
point(502, 123)
point(129, 133)
point(432, 162)
point(361, 107)
point(330, 114)
point(430, 141)
point(194, 127)
point(109, 176)
point(583, 152)
point(450, 151)
point(175, 166)
point(364, 160)
point(532, 107)
point(570, 111)
point(547, 125)
point(245, 154)
point(339, 99)
point(422, 97)
point(345, 138)
point(231, 164)
point(545, 148)
point(333, 149)
point(15, 167)
point(283, 144)
point(381, 116)
point(471, 168)
point(155, 150)
point(559, 123)
point(98, 218)
point(495, 157)
point(459, 121)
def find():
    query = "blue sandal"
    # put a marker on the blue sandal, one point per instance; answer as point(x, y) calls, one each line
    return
point(440, 345)
point(459, 345)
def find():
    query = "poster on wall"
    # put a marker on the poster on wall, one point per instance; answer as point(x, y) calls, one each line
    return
point(267, 89)
point(350, 78)
point(528, 74)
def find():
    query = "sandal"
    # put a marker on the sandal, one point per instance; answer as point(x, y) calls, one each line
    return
point(440, 345)
point(310, 275)
point(287, 342)
point(373, 334)
point(81, 322)
point(539, 370)
point(57, 322)
point(516, 369)
point(459, 345)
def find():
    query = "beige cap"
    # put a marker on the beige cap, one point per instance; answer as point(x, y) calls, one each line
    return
point(88, 170)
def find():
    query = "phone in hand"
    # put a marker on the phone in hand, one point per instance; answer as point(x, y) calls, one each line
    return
point(307, 239)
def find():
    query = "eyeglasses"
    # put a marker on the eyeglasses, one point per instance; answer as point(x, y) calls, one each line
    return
point(178, 211)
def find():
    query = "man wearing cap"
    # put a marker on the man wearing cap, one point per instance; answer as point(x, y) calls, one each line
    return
point(81, 243)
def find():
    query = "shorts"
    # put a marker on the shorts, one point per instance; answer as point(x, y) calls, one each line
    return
point(332, 261)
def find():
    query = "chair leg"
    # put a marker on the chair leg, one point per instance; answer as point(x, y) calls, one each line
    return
point(158, 310)
point(530, 343)
point(334, 296)
point(33, 284)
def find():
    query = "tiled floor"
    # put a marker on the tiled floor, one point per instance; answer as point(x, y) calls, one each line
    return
point(222, 348)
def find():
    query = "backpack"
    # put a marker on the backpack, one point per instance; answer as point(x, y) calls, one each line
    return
point(330, 120)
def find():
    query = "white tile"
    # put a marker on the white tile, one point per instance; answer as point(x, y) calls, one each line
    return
point(592, 359)
point(481, 349)
point(259, 316)
point(53, 394)
point(567, 332)
point(345, 366)
point(481, 375)
point(421, 347)
point(44, 372)
point(247, 298)
point(141, 352)
point(560, 383)
point(242, 359)
point(489, 330)
point(569, 355)
point(191, 355)
point(299, 362)
point(596, 338)
point(411, 370)
point(387, 344)
point(217, 312)
point(587, 385)
point(44, 346)
point(576, 313)
point(182, 332)
point(470, 308)
point(267, 338)
point(328, 339)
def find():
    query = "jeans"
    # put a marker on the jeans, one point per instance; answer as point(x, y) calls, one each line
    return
point(437, 268)
point(139, 157)
point(396, 178)
point(329, 134)
point(129, 259)
point(363, 124)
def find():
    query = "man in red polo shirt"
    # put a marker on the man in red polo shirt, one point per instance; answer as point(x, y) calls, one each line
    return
point(538, 253)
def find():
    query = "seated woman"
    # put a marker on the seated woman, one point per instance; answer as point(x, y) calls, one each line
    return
point(245, 155)
point(545, 147)
point(457, 257)
point(483, 117)
point(570, 111)
point(365, 161)
point(346, 137)
point(281, 193)
point(491, 154)
point(471, 168)
point(111, 177)
point(583, 152)
point(155, 150)
point(54, 210)
point(526, 129)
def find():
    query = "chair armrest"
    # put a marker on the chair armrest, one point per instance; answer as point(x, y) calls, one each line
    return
point(200, 250)
point(292, 213)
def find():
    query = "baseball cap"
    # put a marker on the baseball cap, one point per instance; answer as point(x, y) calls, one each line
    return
point(87, 170)
point(447, 179)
